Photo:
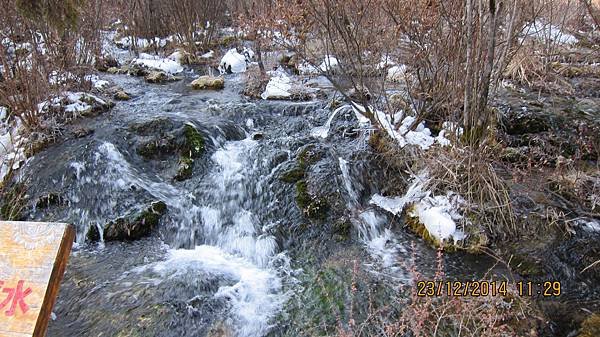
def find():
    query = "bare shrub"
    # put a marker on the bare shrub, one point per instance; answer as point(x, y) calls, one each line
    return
point(192, 23)
point(46, 47)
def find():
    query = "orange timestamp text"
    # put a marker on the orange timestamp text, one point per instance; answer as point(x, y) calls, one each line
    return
point(486, 288)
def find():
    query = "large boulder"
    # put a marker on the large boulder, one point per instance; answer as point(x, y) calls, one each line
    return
point(208, 83)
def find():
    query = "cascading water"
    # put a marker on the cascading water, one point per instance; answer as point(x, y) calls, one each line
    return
point(380, 241)
point(219, 260)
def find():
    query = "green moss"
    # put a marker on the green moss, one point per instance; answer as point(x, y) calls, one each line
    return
point(194, 143)
point(303, 199)
point(293, 175)
point(591, 326)
point(185, 169)
point(133, 227)
point(342, 228)
point(317, 209)
point(308, 156)
point(312, 208)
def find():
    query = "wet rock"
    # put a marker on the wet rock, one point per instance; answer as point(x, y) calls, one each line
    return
point(49, 200)
point(157, 148)
point(184, 169)
point(293, 175)
point(121, 96)
point(133, 226)
point(82, 132)
point(526, 122)
point(157, 77)
point(105, 63)
point(208, 83)
point(257, 136)
point(153, 126)
point(279, 158)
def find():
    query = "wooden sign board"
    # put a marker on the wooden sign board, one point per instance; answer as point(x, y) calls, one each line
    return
point(33, 257)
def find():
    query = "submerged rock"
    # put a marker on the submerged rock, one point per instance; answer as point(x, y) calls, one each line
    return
point(121, 96)
point(208, 83)
point(131, 227)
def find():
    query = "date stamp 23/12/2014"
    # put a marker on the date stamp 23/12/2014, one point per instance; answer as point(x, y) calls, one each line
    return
point(486, 288)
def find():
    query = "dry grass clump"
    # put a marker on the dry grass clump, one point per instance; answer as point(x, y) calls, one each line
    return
point(577, 188)
point(471, 172)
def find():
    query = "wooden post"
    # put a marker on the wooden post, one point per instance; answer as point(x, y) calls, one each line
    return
point(33, 257)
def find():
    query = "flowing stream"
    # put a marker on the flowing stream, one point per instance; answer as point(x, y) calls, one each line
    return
point(218, 265)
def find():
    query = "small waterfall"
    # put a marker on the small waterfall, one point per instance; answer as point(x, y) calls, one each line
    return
point(379, 240)
point(323, 131)
point(220, 220)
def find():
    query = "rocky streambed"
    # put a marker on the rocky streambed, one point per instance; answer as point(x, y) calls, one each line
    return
point(205, 213)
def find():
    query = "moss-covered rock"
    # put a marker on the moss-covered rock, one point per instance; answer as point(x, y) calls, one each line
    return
point(133, 226)
point(157, 148)
point(314, 208)
point(121, 95)
point(308, 156)
point(292, 176)
point(156, 77)
point(303, 199)
point(342, 228)
point(184, 169)
point(317, 209)
point(194, 142)
point(208, 83)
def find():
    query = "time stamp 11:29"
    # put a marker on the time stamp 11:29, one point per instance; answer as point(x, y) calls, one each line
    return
point(487, 288)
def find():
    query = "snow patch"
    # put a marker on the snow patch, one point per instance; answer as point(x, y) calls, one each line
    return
point(544, 31)
point(396, 73)
point(208, 55)
point(279, 86)
point(158, 63)
point(97, 83)
point(437, 213)
point(235, 62)
point(329, 64)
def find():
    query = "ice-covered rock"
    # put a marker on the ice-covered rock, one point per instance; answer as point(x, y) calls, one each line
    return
point(155, 62)
point(279, 86)
point(396, 73)
point(234, 62)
